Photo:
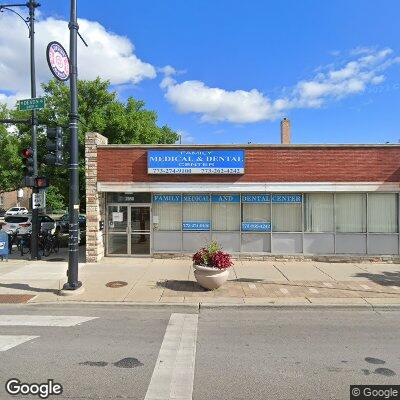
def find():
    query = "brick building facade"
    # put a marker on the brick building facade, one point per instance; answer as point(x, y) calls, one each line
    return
point(290, 199)
point(11, 199)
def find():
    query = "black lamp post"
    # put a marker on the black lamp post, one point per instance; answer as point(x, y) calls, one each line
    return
point(73, 282)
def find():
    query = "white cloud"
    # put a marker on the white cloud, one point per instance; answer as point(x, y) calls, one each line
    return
point(217, 104)
point(109, 56)
point(240, 106)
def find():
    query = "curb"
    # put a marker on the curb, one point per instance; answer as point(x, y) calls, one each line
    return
point(197, 307)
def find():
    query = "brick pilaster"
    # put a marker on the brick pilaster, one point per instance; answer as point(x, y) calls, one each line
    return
point(94, 200)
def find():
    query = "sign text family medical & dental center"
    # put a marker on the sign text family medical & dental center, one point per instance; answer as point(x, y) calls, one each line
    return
point(195, 162)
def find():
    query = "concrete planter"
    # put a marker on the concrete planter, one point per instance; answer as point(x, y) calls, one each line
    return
point(210, 278)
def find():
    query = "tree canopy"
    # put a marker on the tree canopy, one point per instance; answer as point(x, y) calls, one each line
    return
point(10, 157)
point(99, 110)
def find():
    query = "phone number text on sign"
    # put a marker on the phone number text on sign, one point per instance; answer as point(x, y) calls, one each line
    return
point(196, 170)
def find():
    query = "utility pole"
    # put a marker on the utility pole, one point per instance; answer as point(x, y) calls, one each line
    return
point(35, 211)
point(73, 245)
point(30, 23)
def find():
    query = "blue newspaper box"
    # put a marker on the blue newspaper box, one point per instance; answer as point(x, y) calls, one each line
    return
point(4, 250)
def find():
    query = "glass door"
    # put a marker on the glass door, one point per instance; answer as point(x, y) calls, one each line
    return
point(140, 230)
point(117, 226)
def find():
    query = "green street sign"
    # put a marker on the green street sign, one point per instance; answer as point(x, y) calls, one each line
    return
point(31, 104)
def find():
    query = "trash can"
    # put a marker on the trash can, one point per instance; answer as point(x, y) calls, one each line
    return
point(4, 250)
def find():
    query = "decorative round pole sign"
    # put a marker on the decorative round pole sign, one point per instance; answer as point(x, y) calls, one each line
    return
point(58, 61)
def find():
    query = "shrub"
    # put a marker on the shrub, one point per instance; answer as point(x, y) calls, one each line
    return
point(212, 256)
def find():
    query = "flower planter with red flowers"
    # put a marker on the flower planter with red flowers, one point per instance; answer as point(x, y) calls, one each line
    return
point(211, 266)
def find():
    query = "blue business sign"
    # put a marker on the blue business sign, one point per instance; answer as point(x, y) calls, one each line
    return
point(225, 198)
point(196, 226)
point(195, 162)
point(196, 198)
point(167, 198)
point(286, 198)
point(256, 226)
point(275, 198)
point(255, 198)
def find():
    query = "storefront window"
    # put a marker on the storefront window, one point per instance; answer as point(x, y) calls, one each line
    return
point(225, 212)
point(256, 213)
point(196, 212)
point(382, 213)
point(286, 212)
point(318, 212)
point(351, 212)
point(167, 211)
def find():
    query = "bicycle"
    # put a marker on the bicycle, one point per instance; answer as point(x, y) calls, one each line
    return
point(50, 243)
point(13, 238)
point(24, 244)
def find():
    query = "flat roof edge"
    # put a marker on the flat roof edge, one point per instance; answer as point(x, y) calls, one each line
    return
point(244, 146)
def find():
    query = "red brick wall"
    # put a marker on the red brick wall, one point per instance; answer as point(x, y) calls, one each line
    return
point(271, 164)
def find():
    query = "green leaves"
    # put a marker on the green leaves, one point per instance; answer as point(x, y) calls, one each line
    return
point(10, 161)
point(99, 111)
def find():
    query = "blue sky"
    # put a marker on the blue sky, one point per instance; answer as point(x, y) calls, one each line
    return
point(232, 60)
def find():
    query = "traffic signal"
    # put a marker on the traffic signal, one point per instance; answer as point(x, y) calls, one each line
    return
point(41, 182)
point(27, 154)
point(55, 147)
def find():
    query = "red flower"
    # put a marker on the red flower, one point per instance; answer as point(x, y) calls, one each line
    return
point(212, 256)
point(221, 260)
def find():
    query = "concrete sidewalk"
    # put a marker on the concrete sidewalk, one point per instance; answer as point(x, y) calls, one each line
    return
point(167, 281)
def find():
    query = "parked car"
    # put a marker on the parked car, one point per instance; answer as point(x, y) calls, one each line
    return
point(24, 223)
point(17, 211)
point(63, 223)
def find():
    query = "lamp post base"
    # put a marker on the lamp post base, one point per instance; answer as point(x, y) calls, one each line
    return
point(69, 290)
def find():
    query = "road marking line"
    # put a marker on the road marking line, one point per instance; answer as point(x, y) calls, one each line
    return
point(328, 284)
point(365, 286)
point(42, 320)
point(313, 290)
point(252, 286)
point(173, 374)
point(7, 342)
point(395, 287)
point(284, 291)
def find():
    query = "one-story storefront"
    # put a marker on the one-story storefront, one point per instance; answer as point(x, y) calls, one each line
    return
point(253, 199)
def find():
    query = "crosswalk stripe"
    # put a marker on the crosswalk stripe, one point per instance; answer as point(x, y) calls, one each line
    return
point(284, 291)
point(7, 342)
point(313, 290)
point(42, 320)
point(173, 374)
point(328, 284)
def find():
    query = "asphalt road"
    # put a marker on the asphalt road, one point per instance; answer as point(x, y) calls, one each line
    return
point(239, 354)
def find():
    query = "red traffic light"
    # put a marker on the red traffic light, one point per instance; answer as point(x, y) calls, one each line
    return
point(41, 182)
point(26, 153)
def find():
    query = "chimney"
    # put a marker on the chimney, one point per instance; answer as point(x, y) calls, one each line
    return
point(285, 131)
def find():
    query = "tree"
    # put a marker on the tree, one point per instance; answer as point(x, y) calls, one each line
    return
point(10, 157)
point(99, 111)
point(54, 199)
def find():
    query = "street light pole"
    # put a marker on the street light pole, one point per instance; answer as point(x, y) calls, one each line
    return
point(73, 245)
point(35, 211)
point(30, 23)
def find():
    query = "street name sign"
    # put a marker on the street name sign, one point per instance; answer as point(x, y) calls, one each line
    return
point(31, 104)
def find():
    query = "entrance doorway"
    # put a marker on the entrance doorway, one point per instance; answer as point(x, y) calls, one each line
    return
point(128, 230)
